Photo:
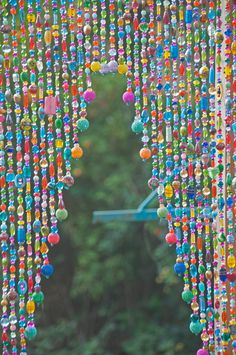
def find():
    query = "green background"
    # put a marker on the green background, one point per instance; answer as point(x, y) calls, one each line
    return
point(114, 291)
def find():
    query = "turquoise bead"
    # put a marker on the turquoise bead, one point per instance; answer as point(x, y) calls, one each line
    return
point(30, 332)
point(137, 127)
point(83, 124)
point(195, 327)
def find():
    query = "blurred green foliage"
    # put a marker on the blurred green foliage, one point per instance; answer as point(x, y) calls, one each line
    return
point(113, 291)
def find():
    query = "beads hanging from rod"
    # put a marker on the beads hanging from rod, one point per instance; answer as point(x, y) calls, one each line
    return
point(178, 57)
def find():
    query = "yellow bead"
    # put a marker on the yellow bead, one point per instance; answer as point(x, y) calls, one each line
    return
point(168, 191)
point(167, 54)
point(203, 72)
point(228, 70)
point(120, 22)
point(30, 307)
point(122, 69)
point(59, 143)
point(233, 48)
point(231, 261)
point(95, 66)
point(71, 12)
point(160, 138)
point(31, 17)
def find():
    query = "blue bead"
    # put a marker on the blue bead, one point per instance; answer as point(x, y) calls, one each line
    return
point(174, 51)
point(10, 177)
point(204, 103)
point(3, 216)
point(159, 51)
point(230, 201)
point(189, 16)
point(21, 234)
point(221, 203)
point(202, 303)
point(193, 270)
point(47, 270)
point(223, 274)
point(211, 15)
point(179, 268)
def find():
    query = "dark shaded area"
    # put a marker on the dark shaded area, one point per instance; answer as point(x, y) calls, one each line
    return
point(113, 291)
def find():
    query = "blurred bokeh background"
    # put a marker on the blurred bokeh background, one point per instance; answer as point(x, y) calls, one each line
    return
point(114, 291)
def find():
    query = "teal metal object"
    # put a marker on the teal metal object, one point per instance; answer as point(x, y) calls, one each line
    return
point(141, 214)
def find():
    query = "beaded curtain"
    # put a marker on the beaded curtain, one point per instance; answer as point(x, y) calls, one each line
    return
point(177, 57)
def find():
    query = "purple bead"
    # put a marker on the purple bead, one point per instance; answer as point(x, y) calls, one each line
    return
point(105, 69)
point(202, 352)
point(128, 97)
point(89, 95)
point(50, 105)
point(113, 66)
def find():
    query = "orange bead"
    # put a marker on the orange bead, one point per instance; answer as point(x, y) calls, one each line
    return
point(224, 317)
point(77, 152)
point(199, 243)
point(145, 153)
point(12, 269)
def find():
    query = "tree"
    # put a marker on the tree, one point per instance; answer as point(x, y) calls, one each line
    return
point(113, 291)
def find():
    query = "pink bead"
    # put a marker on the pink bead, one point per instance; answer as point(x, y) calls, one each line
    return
point(176, 157)
point(89, 95)
point(2, 118)
point(171, 238)
point(202, 352)
point(50, 105)
point(128, 97)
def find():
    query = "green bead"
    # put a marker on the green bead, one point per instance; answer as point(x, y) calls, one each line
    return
point(30, 332)
point(16, 61)
point(24, 76)
point(61, 214)
point(137, 127)
point(21, 311)
point(183, 131)
point(190, 148)
point(225, 336)
point(143, 27)
point(162, 212)
point(185, 248)
point(38, 297)
point(217, 315)
point(187, 296)
point(213, 172)
point(44, 231)
point(201, 269)
point(221, 168)
point(83, 124)
point(195, 327)
point(229, 179)
point(58, 123)
point(221, 238)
